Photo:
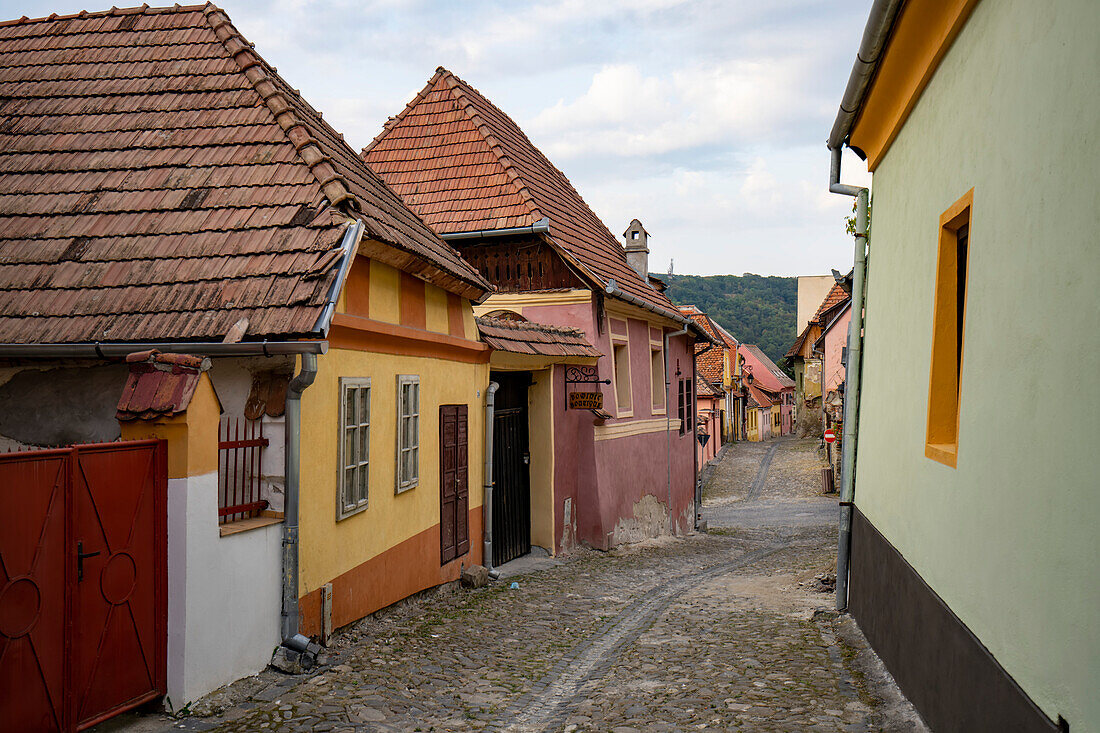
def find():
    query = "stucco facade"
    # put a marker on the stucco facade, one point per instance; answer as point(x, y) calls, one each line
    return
point(1007, 538)
point(387, 324)
point(612, 479)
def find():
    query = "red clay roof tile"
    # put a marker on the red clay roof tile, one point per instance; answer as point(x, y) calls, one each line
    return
point(161, 180)
point(525, 337)
point(451, 138)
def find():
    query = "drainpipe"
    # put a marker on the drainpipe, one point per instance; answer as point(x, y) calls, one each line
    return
point(852, 381)
point(698, 495)
point(293, 429)
point(487, 499)
point(668, 427)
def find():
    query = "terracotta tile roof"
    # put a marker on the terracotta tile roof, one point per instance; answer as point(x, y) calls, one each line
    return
point(465, 166)
point(758, 397)
point(836, 294)
point(159, 384)
point(161, 180)
point(710, 362)
point(704, 388)
point(771, 378)
point(524, 337)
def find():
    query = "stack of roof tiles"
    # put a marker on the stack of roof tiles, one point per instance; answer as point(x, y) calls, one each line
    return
point(161, 180)
point(159, 384)
point(465, 166)
point(524, 337)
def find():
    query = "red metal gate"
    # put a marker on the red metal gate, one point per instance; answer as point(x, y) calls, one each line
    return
point(83, 583)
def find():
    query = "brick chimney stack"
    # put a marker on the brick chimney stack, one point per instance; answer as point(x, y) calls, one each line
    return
point(637, 248)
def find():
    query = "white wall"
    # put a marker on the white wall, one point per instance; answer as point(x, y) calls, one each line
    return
point(224, 594)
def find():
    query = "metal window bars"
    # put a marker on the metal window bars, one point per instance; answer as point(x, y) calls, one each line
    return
point(240, 448)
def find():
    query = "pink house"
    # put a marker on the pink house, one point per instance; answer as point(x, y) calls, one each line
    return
point(832, 343)
point(773, 380)
point(593, 439)
point(708, 431)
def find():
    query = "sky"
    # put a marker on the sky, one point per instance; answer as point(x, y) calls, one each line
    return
point(705, 119)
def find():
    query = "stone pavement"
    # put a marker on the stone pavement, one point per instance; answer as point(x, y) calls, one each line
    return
point(724, 631)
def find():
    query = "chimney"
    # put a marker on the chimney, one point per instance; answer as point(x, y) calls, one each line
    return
point(637, 249)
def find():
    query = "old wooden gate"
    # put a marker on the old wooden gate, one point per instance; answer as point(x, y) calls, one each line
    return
point(511, 475)
point(454, 483)
point(83, 583)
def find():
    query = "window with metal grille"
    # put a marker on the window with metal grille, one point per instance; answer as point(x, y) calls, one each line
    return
point(354, 446)
point(240, 446)
point(408, 431)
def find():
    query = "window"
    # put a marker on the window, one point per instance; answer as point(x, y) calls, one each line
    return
point(408, 431)
point(948, 330)
point(622, 376)
point(354, 446)
point(657, 374)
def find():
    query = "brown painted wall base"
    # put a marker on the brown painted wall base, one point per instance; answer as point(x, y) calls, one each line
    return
point(942, 668)
point(406, 568)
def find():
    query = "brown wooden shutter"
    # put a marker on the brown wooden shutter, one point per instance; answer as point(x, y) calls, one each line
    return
point(462, 484)
point(454, 482)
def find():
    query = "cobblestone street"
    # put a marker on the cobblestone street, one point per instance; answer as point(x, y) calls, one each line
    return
point(728, 630)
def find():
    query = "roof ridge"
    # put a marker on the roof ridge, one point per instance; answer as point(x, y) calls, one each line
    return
point(467, 107)
point(83, 14)
point(392, 121)
point(334, 186)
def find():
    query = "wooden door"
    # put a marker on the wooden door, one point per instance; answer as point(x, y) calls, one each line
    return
point(454, 482)
point(511, 468)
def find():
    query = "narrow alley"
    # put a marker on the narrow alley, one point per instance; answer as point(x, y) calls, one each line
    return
point(729, 630)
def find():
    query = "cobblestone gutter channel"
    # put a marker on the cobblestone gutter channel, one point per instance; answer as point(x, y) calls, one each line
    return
point(577, 672)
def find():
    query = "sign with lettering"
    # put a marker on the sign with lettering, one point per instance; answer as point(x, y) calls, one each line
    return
point(586, 400)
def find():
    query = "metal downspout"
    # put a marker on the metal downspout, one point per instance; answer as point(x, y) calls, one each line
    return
point(668, 428)
point(291, 638)
point(852, 382)
point(487, 499)
point(697, 496)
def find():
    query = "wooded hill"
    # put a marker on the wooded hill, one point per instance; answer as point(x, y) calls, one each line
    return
point(755, 309)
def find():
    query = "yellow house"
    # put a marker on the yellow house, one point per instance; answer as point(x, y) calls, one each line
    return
point(398, 395)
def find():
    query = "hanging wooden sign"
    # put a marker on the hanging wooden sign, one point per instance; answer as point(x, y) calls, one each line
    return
point(586, 400)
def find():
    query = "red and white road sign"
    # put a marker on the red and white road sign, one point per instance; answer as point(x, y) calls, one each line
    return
point(830, 436)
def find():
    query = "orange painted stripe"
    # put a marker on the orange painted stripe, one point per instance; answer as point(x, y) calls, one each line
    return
point(357, 287)
point(365, 334)
point(413, 306)
point(406, 568)
point(455, 323)
point(921, 38)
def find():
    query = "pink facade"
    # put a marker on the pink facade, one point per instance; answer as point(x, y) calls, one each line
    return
point(709, 418)
point(605, 469)
point(767, 376)
point(832, 365)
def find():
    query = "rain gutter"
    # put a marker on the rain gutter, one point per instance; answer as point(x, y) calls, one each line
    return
point(352, 235)
point(613, 290)
point(121, 349)
point(876, 35)
point(542, 226)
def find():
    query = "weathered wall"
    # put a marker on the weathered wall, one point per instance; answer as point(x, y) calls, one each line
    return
point(832, 363)
point(59, 405)
point(1007, 539)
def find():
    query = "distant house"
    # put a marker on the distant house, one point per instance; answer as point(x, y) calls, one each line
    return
point(708, 433)
point(804, 359)
point(774, 382)
point(603, 452)
point(974, 539)
point(721, 367)
point(316, 453)
point(758, 413)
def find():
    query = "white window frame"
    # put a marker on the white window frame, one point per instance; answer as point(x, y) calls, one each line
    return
point(358, 463)
point(408, 439)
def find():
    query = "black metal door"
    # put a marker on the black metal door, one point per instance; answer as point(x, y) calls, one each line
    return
point(511, 478)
